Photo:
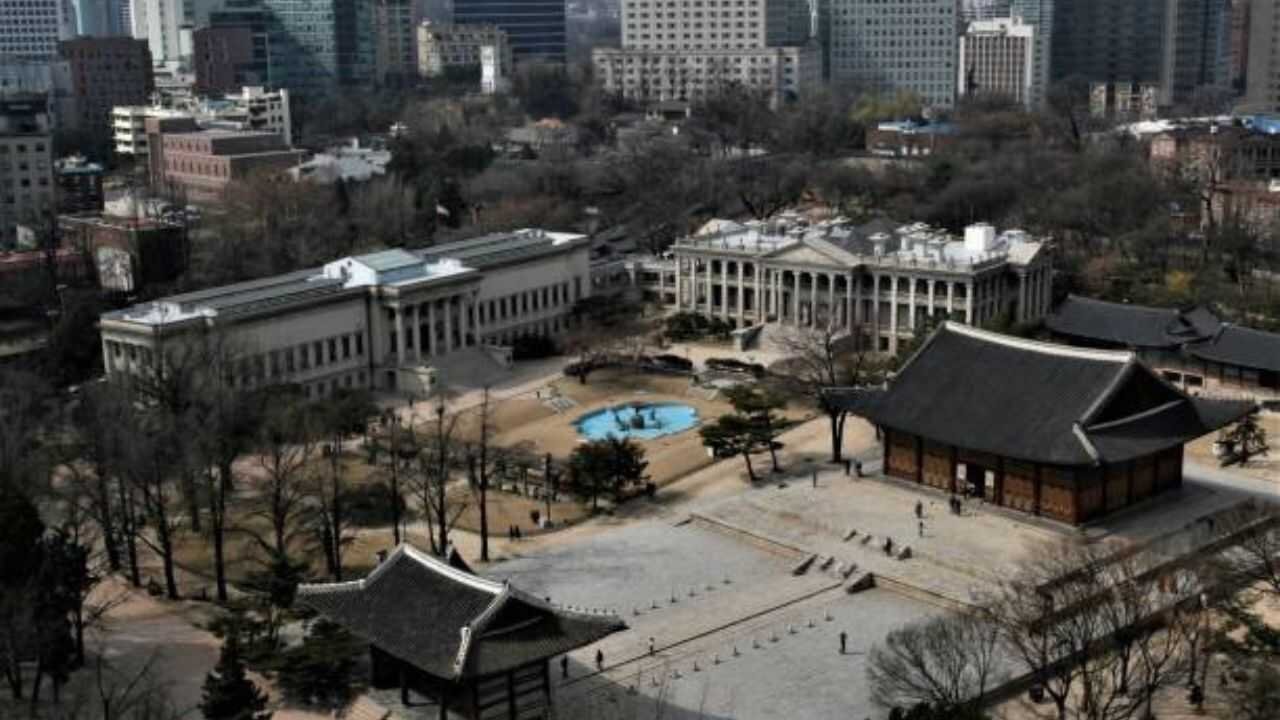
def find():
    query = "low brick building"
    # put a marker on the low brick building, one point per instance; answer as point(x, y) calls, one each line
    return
point(199, 165)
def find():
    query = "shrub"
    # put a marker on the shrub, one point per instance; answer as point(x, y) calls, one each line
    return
point(370, 505)
point(533, 347)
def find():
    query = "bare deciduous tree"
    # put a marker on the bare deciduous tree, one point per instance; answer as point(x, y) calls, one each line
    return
point(824, 358)
point(439, 459)
point(948, 663)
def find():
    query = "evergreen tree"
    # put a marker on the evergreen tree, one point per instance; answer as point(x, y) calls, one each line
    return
point(228, 693)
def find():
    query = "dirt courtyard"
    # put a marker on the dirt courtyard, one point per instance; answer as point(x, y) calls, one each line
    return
point(534, 424)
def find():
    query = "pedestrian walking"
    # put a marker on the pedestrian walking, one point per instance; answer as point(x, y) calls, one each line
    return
point(844, 638)
point(815, 478)
point(919, 509)
point(921, 528)
point(857, 467)
point(564, 666)
point(650, 645)
point(599, 659)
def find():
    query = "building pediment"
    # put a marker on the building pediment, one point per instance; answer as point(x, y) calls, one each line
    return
point(811, 251)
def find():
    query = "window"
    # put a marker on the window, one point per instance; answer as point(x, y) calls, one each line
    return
point(275, 363)
point(317, 349)
point(359, 345)
point(333, 350)
point(524, 302)
point(303, 359)
point(289, 367)
point(346, 347)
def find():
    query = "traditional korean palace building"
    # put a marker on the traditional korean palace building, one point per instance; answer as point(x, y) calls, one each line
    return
point(477, 648)
point(878, 281)
point(1068, 433)
point(1191, 348)
point(382, 320)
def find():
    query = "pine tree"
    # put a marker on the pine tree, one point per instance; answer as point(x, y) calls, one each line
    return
point(228, 693)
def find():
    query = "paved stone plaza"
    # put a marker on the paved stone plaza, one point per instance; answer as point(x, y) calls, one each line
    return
point(635, 568)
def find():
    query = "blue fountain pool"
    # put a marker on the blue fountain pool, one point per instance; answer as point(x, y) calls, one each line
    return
point(639, 421)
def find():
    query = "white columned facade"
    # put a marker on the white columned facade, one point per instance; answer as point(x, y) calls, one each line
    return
point(932, 284)
point(706, 268)
point(448, 324)
point(758, 294)
point(911, 302)
point(968, 302)
point(431, 327)
point(417, 333)
point(724, 289)
point(742, 296)
point(813, 299)
point(401, 347)
point(679, 268)
point(875, 311)
point(833, 312)
point(795, 298)
point(893, 314)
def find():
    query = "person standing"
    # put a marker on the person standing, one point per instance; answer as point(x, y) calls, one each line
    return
point(921, 528)
point(844, 638)
point(919, 509)
point(599, 659)
point(564, 666)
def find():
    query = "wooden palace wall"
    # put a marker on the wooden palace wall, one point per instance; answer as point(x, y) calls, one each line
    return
point(1068, 494)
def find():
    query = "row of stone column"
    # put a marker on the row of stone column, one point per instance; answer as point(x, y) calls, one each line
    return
point(769, 296)
point(461, 305)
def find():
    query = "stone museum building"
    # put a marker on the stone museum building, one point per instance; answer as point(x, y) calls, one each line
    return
point(382, 320)
point(1067, 433)
point(475, 647)
point(879, 281)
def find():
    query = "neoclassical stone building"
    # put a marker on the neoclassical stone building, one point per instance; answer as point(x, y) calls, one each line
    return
point(385, 320)
point(878, 281)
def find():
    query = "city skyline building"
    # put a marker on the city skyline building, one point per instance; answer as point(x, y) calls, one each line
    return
point(395, 24)
point(32, 29)
point(898, 45)
point(535, 28)
point(26, 176)
point(683, 50)
point(997, 57)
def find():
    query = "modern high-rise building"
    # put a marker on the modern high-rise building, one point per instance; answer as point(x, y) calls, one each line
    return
point(395, 27)
point(166, 25)
point(235, 49)
point(105, 72)
point(971, 10)
point(997, 57)
point(353, 26)
point(1262, 76)
point(1175, 46)
point(1039, 15)
point(536, 28)
point(1238, 45)
point(32, 29)
point(685, 50)
point(26, 175)
point(100, 17)
point(897, 45)
point(441, 47)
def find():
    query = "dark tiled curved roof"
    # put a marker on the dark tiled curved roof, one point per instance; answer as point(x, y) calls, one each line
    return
point(449, 622)
point(1132, 326)
point(1235, 345)
point(1037, 401)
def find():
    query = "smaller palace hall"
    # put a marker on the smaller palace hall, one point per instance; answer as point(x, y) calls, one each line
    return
point(476, 648)
point(1069, 433)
